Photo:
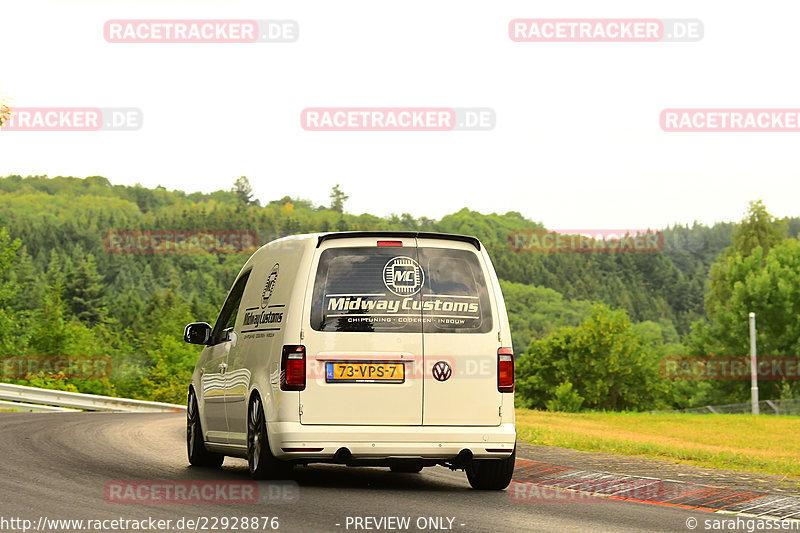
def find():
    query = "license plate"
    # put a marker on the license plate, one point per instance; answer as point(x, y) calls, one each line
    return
point(365, 373)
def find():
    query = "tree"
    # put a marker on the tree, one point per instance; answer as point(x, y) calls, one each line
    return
point(758, 228)
point(767, 285)
point(8, 249)
point(244, 191)
point(338, 198)
point(85, 292)
point(10, 325)
point(535, 312)
point(25, 279)
point(8, 253)
point(756, 235)
point(759, 273)
point(605, 363)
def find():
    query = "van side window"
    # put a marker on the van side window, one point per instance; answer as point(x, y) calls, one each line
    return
point(230, 309)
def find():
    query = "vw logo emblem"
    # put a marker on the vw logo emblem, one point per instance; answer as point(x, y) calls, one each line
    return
point(442, 371)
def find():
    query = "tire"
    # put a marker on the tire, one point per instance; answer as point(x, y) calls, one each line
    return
point(491, 474)
point(195, 448)
point(260, 461)
point(406, 469)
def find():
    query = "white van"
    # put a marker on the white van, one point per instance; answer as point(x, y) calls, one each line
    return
point(359, 348)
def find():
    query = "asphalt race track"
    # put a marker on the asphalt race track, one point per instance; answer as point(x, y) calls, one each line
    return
point(59, 465)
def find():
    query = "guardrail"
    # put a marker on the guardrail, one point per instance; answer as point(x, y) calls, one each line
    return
point(766, 407)
point(32, 408)
point(26, 398)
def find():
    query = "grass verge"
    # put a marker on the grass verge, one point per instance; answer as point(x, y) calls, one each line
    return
point(763, 444)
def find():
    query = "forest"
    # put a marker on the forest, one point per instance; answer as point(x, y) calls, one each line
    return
point(590, 330)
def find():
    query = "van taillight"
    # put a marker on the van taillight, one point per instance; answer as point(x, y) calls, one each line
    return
point(390, 243)
point(505, 370)
point(293, 367)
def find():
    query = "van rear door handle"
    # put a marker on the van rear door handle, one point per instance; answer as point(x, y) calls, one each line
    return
point(222, 368)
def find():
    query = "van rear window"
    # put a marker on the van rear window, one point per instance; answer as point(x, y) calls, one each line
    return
point(408, 290)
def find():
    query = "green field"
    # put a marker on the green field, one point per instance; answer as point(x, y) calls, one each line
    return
point(763, 444)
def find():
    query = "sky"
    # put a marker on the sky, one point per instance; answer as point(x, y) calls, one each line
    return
point(577, 141)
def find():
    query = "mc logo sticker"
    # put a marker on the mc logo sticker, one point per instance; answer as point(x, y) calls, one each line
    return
point(403, 276)
point(272, 279)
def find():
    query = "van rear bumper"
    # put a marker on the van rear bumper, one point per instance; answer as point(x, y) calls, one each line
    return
point(390, 442)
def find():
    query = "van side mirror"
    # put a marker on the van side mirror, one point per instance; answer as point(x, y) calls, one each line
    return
point(197, 333)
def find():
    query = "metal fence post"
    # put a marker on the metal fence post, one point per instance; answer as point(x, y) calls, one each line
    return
point(753, 365)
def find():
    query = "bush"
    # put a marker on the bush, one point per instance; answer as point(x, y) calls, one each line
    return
point(565, 399)
point(612, 365)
